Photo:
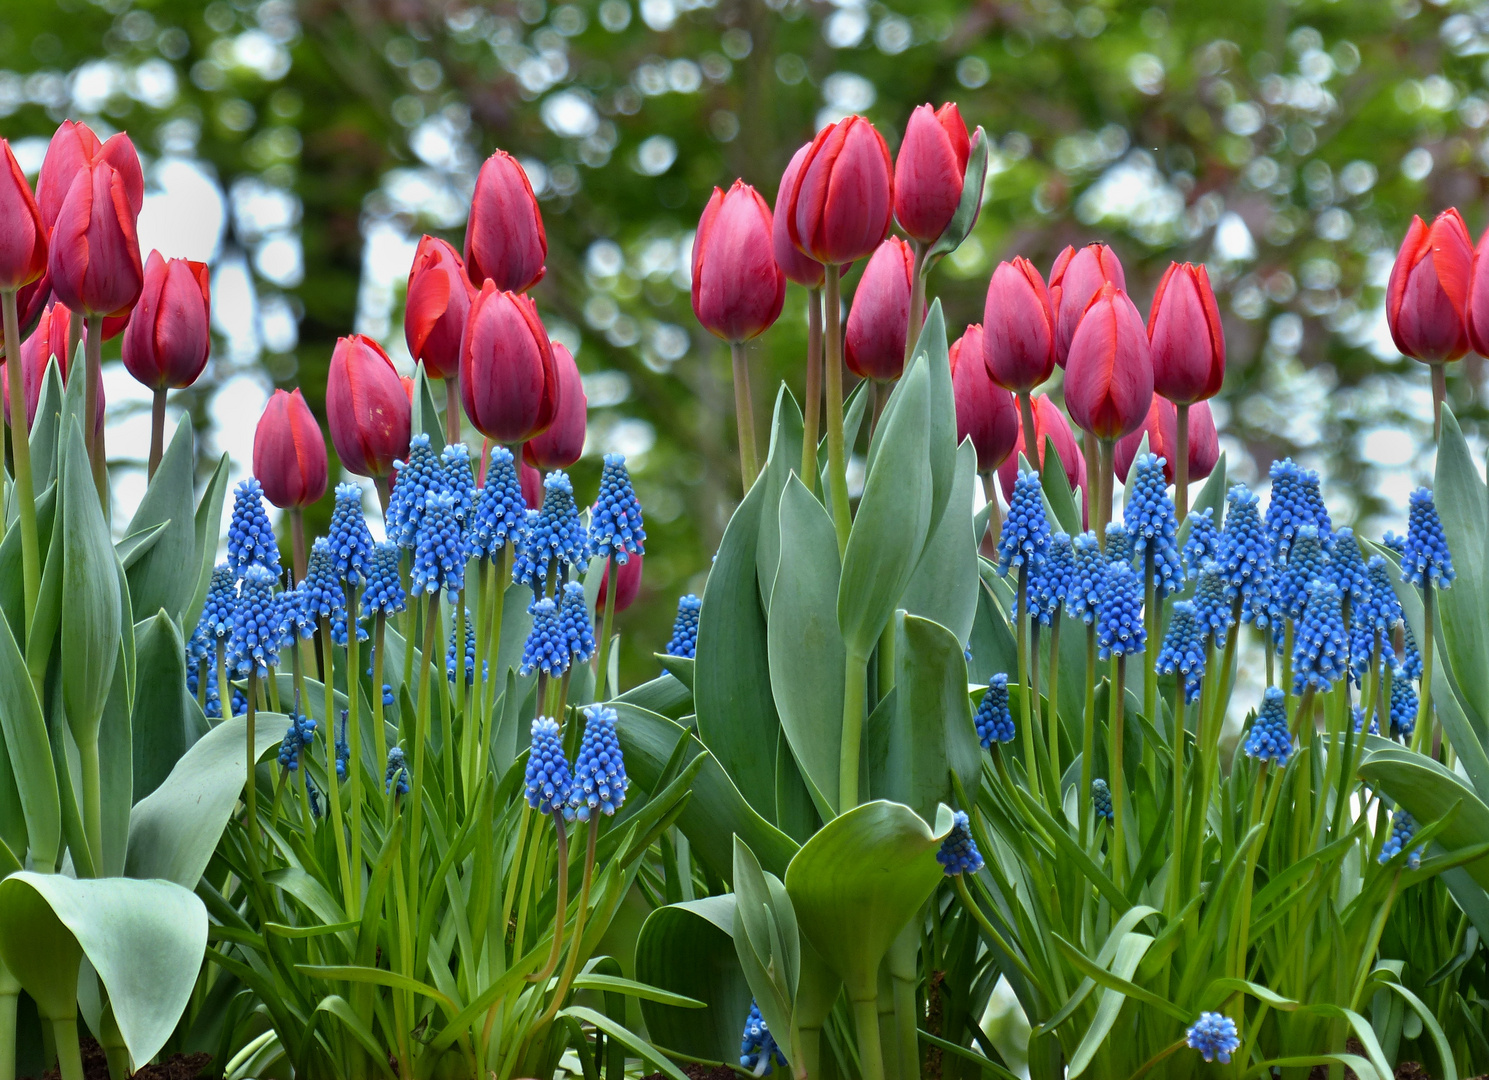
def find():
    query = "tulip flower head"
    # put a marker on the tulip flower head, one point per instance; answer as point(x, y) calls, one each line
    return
point(1161, 426)
point(880, 316)
point(1109, 368)
point(366, 407)
point(738, 288)
point(1050, 426)
point(74, 148)
point(439, 298)
point(1019, 339)
point(1187, 340)
point(289, 452)
point(985, 412)
point(929, 172)
point(169, 335)
point(93, 256)
point(1427, 293)
point(796, 266)
point(509, 382)
point(48, 342)
point(563, 443)
point(1075, 279)
point(23, 241)
point(504, 238)
point(840, 206)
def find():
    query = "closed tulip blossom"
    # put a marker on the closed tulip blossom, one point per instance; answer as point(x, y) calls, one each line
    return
point(929, 171)
point(794, 263)
point(808, 272)
point(1427, 296)
point(508, 378)
point(877, 322)
point(563, 443)
point(169, 335)
point(504, 238)
point(23, 241)
point(1188, 347)
point(1019, 333)
point(289, 461)
point(47, 342)
point(1161, 428)
point(74, 147)
point(439, 299)
point(367, 409)
point(985, 412)
point(1075, 280)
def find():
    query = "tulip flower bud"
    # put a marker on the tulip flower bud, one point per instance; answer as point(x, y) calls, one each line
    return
point(504, 237)
point(880, 316)
point(1109, 371)
point(1019, 339)
point(985, 412)
point(169, 335)
point(1075, 279)
point(289, 452)
point(46, 343)
point(929, 171)
point(1185, 336)
point(1428, 291)
point(366, 407)
point(628, 578)
point(23, 239)
point(1049, 425)
point(439, 297)
point(840, 206)
point(737, 287)
point(74, 147)
point(94, 257)
point(1161, 426)
point(1478, 298)
point(508, 379)
point(796, 266)
point(562, 444)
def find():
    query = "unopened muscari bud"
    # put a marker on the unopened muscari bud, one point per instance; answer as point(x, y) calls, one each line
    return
point(1101, 801)
point(993, 719)
point(1269, 738)
point(1404, 704)
point(395, 780)
point(958, 853)
point(467, 662)
point(1118, 543)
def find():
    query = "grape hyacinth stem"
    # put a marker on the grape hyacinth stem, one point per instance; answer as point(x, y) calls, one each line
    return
point(744, 415)
point(380, 731)
point(1117, 717)
point(561, 905)
point(354, 744)
point(1175, 895)
point(607, 624)
point(333, 783)
point(1181, 464)
point(20, 449)
point(837, 461)
point(1026, 684)
point(1053, 694)
point(811, 408)
point(566, 979)
point(420, 732)
point(1152, 629)
point(1422, 736)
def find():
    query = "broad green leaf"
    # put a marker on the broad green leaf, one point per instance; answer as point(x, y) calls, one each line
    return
point(784, 460)
point(681, 668)
point(796, 813)
point(425, 417)
point(859, 880)
point(208, 523)
point(894, 516)
point(162, 727)
point(765, 938)
point(993, 646)
point(12, 598)
point(46, 428)
point(973, 180)
point(806, 649)
point(25, 731)
point(173, 832)
point(37, 948)
point(12, 814)
point(155, 580)
point(90, 596)
point(116, 766)
point(1464, 508)
point(941, 437)
point(688, 949)
point(665, 695)
point(1429, 791)
point(944, 585)
point(1130, 952)
point(731, 680)
point(145, 939)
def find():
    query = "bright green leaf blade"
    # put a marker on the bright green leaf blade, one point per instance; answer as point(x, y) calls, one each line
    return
point(638, 1046)
point(687, 949)
point(25, 732)
point(155, 580)
point(90, 596)
point(161, 720)
point(944, 585)
point(784, 461)
point(207, 522)
point(1429, 791)
point(630, 988)
point(932, 734)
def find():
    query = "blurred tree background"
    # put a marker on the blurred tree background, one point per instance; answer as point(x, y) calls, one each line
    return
point(304, 146)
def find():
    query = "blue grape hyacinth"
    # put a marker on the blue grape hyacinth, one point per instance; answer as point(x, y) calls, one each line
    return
point(1404, 705)
point(299, 735)
point(758, 1050)
point(600, 780)
point(1203, 542)
point(1411, 656)
point(1101, 801)
point(1084, 592)
point(1306, 563)
point(1426, 559)
point(1151, 522)
point(384, 595)
point(1026, 533)
point(349, 538)
point(1403, 828)
point(413, 480)
point(1359, 718)
point(1321, 648)
point(250, 537)
point(1214, 1035)
point(993, 719)
point(547, 647)
point(554, 536)
point(578, 628)
point(459, 478)
point(395, 779)
point(1183, 649)
point(1213, 610)
point(1119, 545)
point(684, 640)
point(343, 749)
point(958, 853)
point(1049, 585)
point(1296, 501)
point(256, 624)
point(1269, 738)
point(1245, 558)
point(1395, 541)
point(1346, 568)
point(500, 511)
point(1119, 617)
point(467, 663)
point(615, 526)
point(1374, 620)
point(321, 593)
point(439, 550)
point(216, 621)
point(547, 777)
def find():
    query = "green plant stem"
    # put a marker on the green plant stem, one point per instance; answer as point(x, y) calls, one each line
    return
point(1026, 687)
point(1421, 739)
point(20, 450)
point(1181, 464)
point(1175, 891)
point(10, 997)
point(421, 729)
point(870, 1054)
point(93, 353)
point(250, 785)
point(297, 542)
point(837, 460)
point(333, 785)
point(1053, 695)
point(1032, 448)
point(1091, 455)
point(561, 903)
point(1242, 933)
point(452, 407)
point(995, 514)
point(1104, 479)
point(69, 1054)
point(224, 685)
point(157, 432)
point(885, 680)
point(576, 943)
point(1116, 719)
point(811, 407)
point(1439, 392)
point(1151, 630)
point(379, 726)
point(93, 792)
point(913, 325)
point(744, 415)
point(354, 744)
point(855, 678)
point(607, 624)
point(1088, 738)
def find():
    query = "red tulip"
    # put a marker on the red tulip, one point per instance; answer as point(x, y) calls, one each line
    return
point(796, 266)
point(169, 334)
point(1049, 424)
point(1019, 345)
point(985, 412)
point(367, 407)
point(1162, 428)
point(737, 287)
point(289, 452)
point(929, 171)
point(840, 205)
point(1109, 373)
point(1428, 291)
point(562, 444)
point(1074, 280)
point(75, 147)
point(23, 238)
point(880, 316)
point(439, 296)
point(628, 578)
point(532, 484)
point(94, 261)
point(407, 382)
point(1185, 335)
point(46, 343)
point(504, 237)
point(508, 379)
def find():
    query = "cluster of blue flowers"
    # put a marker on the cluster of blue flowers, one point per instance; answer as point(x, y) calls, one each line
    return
point(1215, 1036)
point(597, 781)
point(456, 662)
point(395, 780)
point(758, 1050)
point(1403, 828)
point(1101, 801)
point(1269, 738)
point(299, 736)
point(958, 853)
point(684, 640)
point(993, 719)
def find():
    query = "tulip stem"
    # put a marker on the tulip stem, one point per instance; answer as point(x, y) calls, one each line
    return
point(855, 675)
point(1181, 464)
point(1032, 450)
point(20, 449)
point(93, 353)
point(157, 431)
point(452, 407)
point(1104, 477)
point(811, 408)
point(994, 517)
point(297, 541)
point(1088, 450)
point(837, 462)
point(917, 300)
point(1439, 392)
point(744, 413)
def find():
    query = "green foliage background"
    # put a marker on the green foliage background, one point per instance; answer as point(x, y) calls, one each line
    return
point(1319, 126)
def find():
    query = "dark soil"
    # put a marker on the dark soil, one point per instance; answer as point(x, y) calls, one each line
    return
point(700, 1072)
point(178, 1067)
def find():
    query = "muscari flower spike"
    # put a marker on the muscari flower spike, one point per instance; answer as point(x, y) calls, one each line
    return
point(1203, 542)
point(1026, 532)
point(615, 526)
point(469, 663)
point(1118, 543)
point(577, 626)
point(1183, 649)
point(395, 780)
point(413, 480)
point(299, 735)
point(1101, 801)
point(439, 550)
point(1151, 521)
point(1049, 586)
point(1411, 656)
point(1321, 648)
point(1395, 541)
point(993, 719)
point(295, 620)
point(1403, 828)
point(1296, 501)
point(1269, 738)
point(555, 535)
point(314, 793)
point(1245, 558)
point(1084, 591)
point(500, 515)
point(1404, 705)
point(1346, 568)
point(547, 777)
point(547, 647)
point(1306, 562)
point(1359, 717)
point(1372, 621)
point(1212, 609)
point(1214, 1035)
point(321, 593)
point(600, 780)
point(958, 853)
point(250, 537)
point(459, 478)
point(256, 625)
point(384, 595)
point(343, 749)
point(1119, 617)
point(349, 538)
point(1426, 559)
point(338, 629)
point(216, 621)
point(758, 1050)
point(684, 640)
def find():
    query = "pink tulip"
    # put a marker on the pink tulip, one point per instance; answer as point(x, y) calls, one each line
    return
point(796, 266)
point(1075, 280)
point(1050, 426)
point(94, 257)
point(289, 452)
point(508, 379)
point(439, 298)
point(23, 237)
point(880, 316)
point(929, 172)
point(1428, 291)
point(1162, 429)
point(504, 237)
point(1109, 371)
point(985, 412)
point(1185, 335)
point(169, 335)
point(738, 289)
point(839, 209)
point(366, 407)
point(1019, 342)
